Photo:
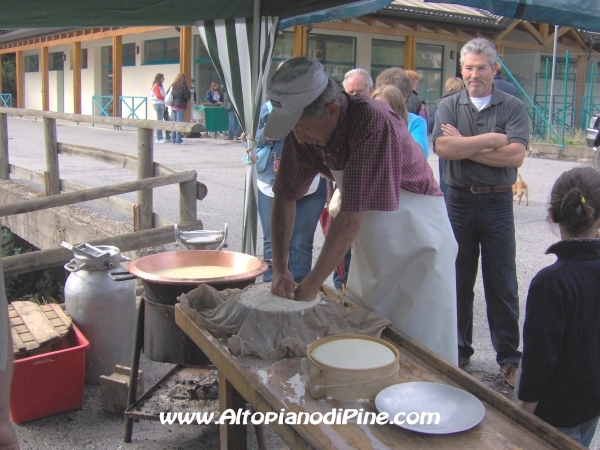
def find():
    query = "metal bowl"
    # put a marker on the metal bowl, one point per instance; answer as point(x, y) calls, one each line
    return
point(165, 290)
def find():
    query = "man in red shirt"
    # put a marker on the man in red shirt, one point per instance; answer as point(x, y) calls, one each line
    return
point(391, 206)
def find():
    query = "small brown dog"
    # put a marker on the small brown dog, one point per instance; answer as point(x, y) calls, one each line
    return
point(519, 189)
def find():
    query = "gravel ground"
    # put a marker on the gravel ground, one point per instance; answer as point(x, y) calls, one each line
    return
point(218, 163)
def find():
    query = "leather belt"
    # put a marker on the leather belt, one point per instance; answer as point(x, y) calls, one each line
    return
point(483, 189)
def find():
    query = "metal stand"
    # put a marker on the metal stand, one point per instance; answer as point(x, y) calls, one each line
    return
point(135, 364)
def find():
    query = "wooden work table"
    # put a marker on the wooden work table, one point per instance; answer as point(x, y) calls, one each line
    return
point(277, 387)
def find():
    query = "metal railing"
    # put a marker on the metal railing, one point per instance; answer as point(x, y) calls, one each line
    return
point(6, 100)
point(135, 106)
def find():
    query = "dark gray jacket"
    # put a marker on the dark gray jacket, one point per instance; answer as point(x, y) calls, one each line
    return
point(181, 95)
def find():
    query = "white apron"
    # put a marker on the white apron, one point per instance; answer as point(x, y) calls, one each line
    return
point(403, 269)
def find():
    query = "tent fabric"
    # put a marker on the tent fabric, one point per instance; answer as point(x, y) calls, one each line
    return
point(112, 13)
point(582, 14)
point(229, 44)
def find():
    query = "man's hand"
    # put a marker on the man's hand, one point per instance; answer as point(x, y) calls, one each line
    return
point(282, 284)
point(307, 290)
point(450, 130)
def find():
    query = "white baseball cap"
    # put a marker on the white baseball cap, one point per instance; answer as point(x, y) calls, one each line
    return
point(295, 85)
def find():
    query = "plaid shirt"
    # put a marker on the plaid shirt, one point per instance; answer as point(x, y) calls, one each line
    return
point(373, 147)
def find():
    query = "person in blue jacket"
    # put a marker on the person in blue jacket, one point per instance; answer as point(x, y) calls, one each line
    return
point(213, 95)
point(308, 209)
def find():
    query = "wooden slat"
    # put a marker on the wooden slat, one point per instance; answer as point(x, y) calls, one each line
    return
point(18, 344)
point(42, 330)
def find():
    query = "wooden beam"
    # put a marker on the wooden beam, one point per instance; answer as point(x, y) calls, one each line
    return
point(575, 34)
point(185, 61)
point(20, 75)
point(534, 32)
point(70, 198)
point(410, 52)
point(508, 30)
point(0, 74)
point(44, 63)
point(389, 23)
point(45, 259)
point(76, 57)
point(562, 31)
point(545, 31)
point(300, 41)
point(117, 74)
point(367, 20)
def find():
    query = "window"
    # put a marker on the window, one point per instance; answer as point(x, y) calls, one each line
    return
point(385, 54)
point(336, 53)
point(32, 63)
point(129, 54)
point(161, 51)
point(429, 64)
point(84, 59)
point(56, 61)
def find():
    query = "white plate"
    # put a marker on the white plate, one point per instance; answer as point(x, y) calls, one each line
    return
point(458, 410)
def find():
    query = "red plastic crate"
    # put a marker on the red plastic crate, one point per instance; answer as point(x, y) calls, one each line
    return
point(49, 383)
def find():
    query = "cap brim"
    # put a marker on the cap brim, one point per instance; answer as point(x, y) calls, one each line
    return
point(279, 126)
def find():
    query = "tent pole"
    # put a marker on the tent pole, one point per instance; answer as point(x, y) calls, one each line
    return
point(552, 83)
point(255, 50)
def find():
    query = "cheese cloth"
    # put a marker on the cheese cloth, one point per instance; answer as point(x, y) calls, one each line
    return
point(274, 334)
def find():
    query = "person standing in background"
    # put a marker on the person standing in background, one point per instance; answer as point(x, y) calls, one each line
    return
point(413, 102)
point(358, 81)
point(234, 129)
point(213, 95)
point(417, 126)
point(483, 134)
point(453, 86)
point(181, 95)
point(504, 85)
point(157, 94)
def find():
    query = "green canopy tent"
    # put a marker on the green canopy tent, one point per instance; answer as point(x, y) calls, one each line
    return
point(583, 14)
point(239, 46)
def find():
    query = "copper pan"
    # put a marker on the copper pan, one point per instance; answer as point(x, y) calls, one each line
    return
point(246, 266)
point(165, 290)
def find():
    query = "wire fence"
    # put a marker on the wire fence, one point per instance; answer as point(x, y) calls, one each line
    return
point(559, 107)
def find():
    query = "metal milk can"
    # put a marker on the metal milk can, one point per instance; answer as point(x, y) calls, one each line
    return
point(104, 310)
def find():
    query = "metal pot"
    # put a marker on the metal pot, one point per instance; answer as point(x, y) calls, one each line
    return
point(165, 290)
point(201, 239)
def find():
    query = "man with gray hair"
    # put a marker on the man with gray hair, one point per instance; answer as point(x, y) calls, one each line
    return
point(391, 207)
point(358, 81)
point(482, 133)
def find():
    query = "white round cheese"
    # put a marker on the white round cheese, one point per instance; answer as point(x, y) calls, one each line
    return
point(260, 297)
point(353, 354)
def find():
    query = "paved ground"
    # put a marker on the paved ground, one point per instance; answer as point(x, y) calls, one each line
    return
point(218, 163)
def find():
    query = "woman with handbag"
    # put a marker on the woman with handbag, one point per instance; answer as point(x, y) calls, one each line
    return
point(181, 95)
point(308, 209)
point(157, 94)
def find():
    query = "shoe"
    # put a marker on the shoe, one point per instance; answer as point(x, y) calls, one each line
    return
point(463, 361)
point(510, 372)
point(179, 142)
point(160, 141)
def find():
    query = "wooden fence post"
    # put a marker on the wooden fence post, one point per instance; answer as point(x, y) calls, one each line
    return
point(4, 168)
point(187, 201)
point(145, 169)
point(53, 177)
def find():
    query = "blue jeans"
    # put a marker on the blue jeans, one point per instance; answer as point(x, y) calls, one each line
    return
point(583, 433)
point(486, 222)
point(337, 282)
point(234, 126)
point(177, 116)
point(443, 185)
point(308, 211)
point(160, 115)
